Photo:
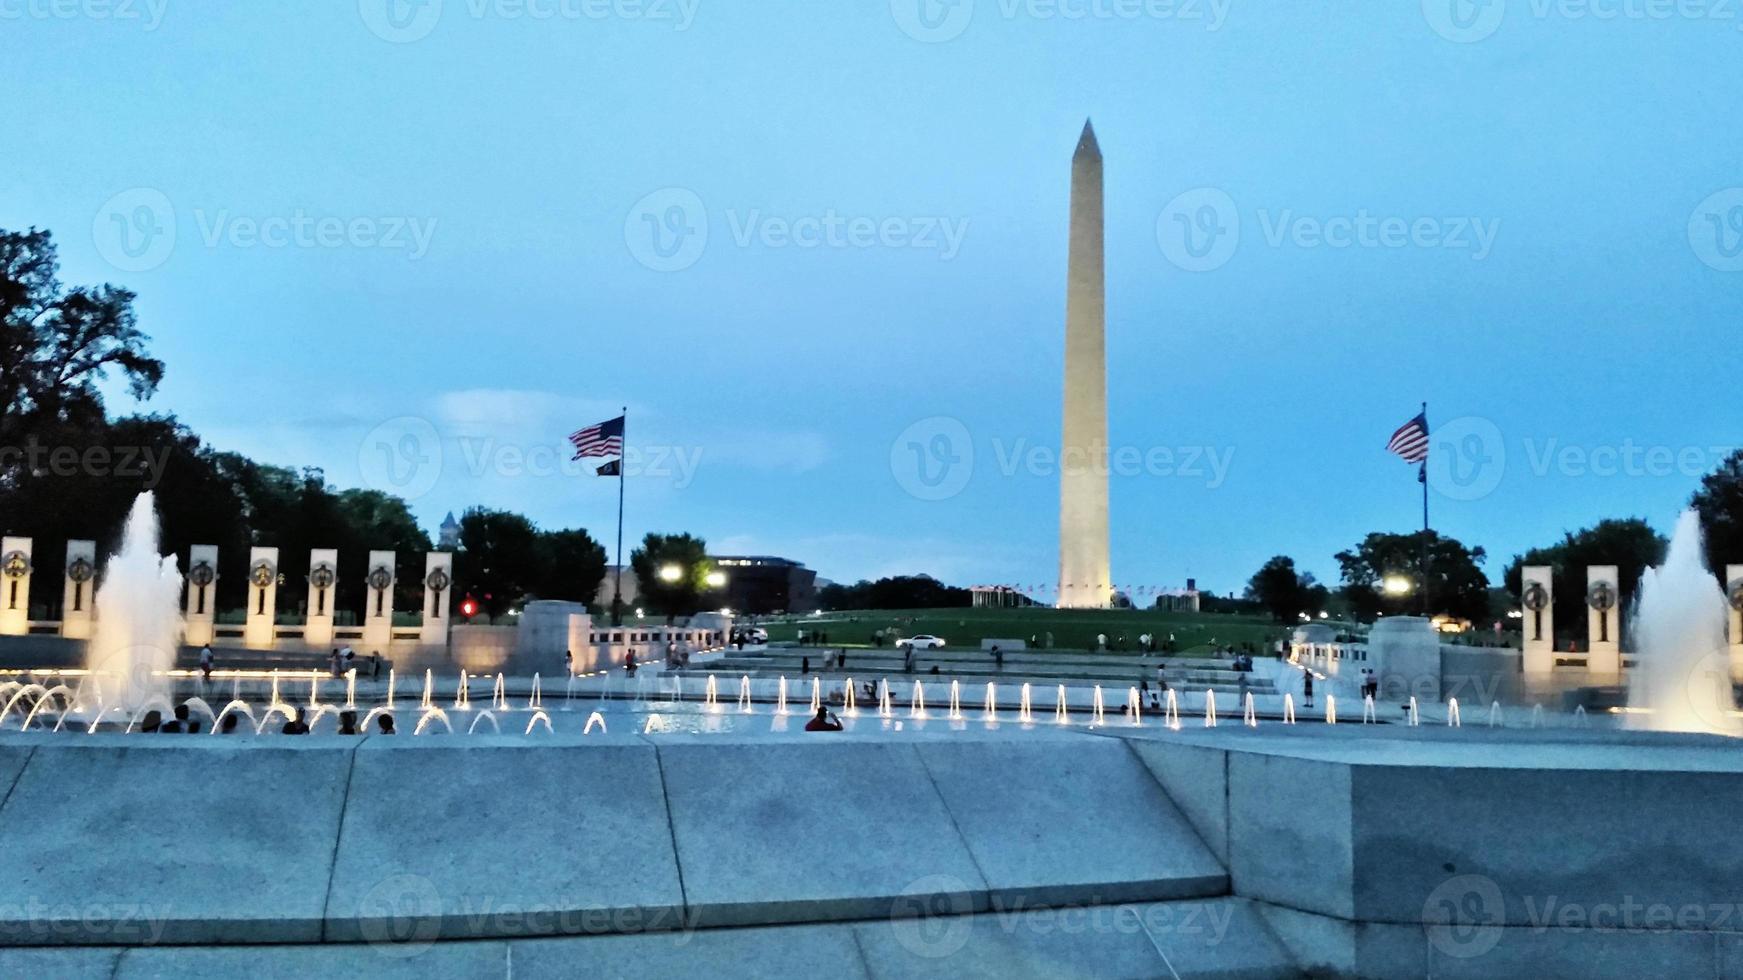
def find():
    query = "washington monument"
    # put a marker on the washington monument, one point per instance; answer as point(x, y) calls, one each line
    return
point(1085, 578)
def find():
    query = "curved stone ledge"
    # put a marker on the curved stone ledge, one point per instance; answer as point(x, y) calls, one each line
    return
point(200, 840)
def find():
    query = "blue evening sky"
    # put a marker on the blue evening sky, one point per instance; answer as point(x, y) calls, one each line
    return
point(417, 245)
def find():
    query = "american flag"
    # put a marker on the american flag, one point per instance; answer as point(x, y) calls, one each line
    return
point(1411, 440)
point(604, 439)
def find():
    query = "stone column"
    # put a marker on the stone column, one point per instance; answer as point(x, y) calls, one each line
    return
point(262, 598)
point(323, 578)
point(438, 598)
point(78, 602)
point(1734, 592)
point(15, 571)
point(202, 604)
point(1538, 585)
point(1604, 623)
point(378, 603)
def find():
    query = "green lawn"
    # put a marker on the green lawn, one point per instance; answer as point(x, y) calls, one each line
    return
point(1072, 629)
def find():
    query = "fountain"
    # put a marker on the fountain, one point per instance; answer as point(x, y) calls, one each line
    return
point(139, 620)
point(1682, 678)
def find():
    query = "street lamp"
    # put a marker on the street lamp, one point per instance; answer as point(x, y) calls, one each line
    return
point(716, 580)
point(1397, 585)
point(671, 574)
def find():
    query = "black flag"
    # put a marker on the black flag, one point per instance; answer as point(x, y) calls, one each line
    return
point(613, 468)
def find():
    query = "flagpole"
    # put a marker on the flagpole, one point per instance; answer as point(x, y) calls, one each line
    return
point(617, 593)
point(1422, 476)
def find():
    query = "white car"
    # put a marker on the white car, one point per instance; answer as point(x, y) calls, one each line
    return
point(922, 642)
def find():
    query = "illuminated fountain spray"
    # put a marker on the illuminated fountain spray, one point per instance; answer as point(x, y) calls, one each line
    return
point(1331, 709)
point(1452, 713)
point(351, 688)
point(1209, 709)
point(1026, 710)
point(276, 700)
point(499, 695)
point(1061, 711)
point(955, 700)
point(1288, 709)
point(1494, 714)
point(390, 680)
point(1250, 713)
point(463, 693)
point(594, 719)
point(991, 711)
point(1682, 675)
point(781, 697)
point(917, 706)
point(1171, 711)
point(1537, 716)
point(536, 699)
point(1134, 706)
point(816, 694)
point(744, 705)
point(850, 700)
point(1368, 715)
point(1415, 714)
point(1100, 709)
point(139, 620)
point(711, 697)
point(429, 700)
point(314, 689)
point(884, 708)
point(1580, 715)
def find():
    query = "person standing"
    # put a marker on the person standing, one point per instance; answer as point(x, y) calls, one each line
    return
point(206, 663)
point(1307, 688)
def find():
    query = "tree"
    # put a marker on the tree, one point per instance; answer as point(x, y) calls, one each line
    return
point(57, 343)
point(897, 592)
point(498, 559)
point(1456, 583)
point(571, 566)
point(1720, 503)
point(1284, 592)
point(671, 573)
point(1631, 545)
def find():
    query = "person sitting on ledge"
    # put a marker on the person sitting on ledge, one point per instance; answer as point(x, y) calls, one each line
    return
point(152, 721)
point(296, 726)
point(347, 722)
point(384, 722)
point(228, 725)
point(181, 725)
point(629, 664)
point(823, 722)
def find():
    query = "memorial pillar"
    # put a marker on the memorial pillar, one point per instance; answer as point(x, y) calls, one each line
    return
point(1537, 588)
point(438, 584)
point(78, 596)
point(202, 601)
point(1734, 592)
point(378, 603)
point(1604, 623)
point(323, 578)
point(262, 599)
point(15, 586)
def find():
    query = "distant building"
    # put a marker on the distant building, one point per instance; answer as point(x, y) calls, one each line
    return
point(999, 597)
point(758, 585)
point(608, 589)
point(449, 539)
point(1181, 600)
